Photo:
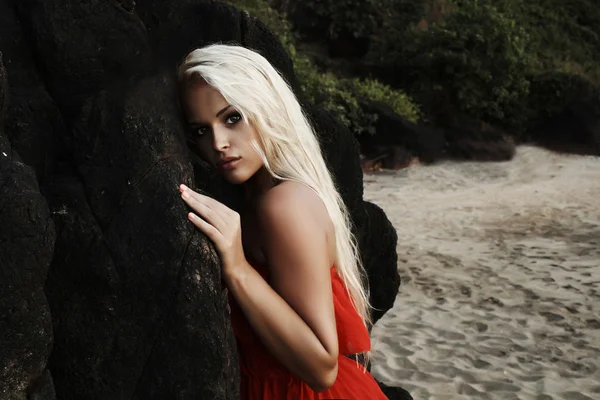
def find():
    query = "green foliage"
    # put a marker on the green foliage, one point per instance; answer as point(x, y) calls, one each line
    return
point(564, 35)
point(474, 61)
point(400, 14)
point(342, 97)
point(274, 20)
point(346, 98)
point(480, 57)
point(376, 91)
point(359, 18)
point(474, 57)
point(364, 18)
point(553, 91)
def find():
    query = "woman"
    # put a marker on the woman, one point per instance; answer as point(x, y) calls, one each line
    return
point(289, 261)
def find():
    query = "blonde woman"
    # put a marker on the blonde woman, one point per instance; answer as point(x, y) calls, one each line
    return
point(289, 259)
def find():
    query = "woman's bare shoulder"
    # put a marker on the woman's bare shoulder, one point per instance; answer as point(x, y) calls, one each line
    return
point(295, 229)
point(292, 200)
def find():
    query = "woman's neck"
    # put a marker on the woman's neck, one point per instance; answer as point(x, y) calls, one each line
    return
point(260, 183)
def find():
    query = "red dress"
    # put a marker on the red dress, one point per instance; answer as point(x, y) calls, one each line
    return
point(264, 378)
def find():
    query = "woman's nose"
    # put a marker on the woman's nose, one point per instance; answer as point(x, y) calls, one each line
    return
point(220, 139)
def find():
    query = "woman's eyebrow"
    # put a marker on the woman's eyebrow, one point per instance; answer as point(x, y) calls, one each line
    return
point(196, 123)
point(223, 110)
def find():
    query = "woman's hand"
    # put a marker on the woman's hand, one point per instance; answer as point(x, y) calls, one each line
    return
point(221, 224)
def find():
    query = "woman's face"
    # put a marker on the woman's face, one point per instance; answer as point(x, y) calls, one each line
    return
point(222, 137)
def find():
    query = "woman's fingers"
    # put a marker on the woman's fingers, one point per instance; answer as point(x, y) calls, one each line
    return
point(209, 230)
point(208, 201)
point(214, 204)
point(202, 210)
point(219, 223)
point(224, 219)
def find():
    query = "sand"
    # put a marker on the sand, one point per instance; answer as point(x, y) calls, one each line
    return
point(500, 265)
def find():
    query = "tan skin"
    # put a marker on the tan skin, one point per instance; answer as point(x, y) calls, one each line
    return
point(287, 228)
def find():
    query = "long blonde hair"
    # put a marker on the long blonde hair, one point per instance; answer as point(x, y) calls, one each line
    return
point(289, 147)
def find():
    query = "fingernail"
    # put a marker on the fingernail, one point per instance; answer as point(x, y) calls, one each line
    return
point(182, 187)
point(185, 195)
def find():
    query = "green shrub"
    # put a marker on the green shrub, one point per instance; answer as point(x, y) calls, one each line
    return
point(364, 18)
point(553, 91)
point(379, 92)
point(358, 18)
point(345, 98)
point(472, 62)
point(274, 20)
point(477, 59)
point(565, 34)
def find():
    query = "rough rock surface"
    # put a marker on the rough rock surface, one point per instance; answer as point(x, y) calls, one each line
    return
point(26, 245)
point(100, 270)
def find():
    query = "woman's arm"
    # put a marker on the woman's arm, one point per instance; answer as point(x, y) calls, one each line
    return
point(294, 315)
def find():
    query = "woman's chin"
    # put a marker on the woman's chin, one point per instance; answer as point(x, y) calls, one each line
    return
point(234, 177)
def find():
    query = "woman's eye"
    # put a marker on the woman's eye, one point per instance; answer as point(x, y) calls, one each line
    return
point(201, 131)
point(233, 118)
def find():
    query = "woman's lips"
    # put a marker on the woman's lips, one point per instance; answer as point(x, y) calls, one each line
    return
point(229, 164)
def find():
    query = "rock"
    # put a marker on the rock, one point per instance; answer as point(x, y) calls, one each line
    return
point(391, 157)
point(130, 301)
point(340, 150)
point(381, 263)
point(395, 131)
point(129, 312)
point(395, 393)
point(3, 93)
point(175, 27)
point(82, 48)
point(42, 388)
point(26, 246)
point(471, 140)
point(33, 121)
point(397, 140)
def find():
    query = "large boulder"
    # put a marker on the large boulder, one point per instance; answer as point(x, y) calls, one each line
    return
point(395, 131)
point(376, 238)
point(33, 121)
point(138, 310)
point(26, 246)
point(132, 284)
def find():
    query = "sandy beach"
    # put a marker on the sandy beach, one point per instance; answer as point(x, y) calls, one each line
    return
point(500, 267)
